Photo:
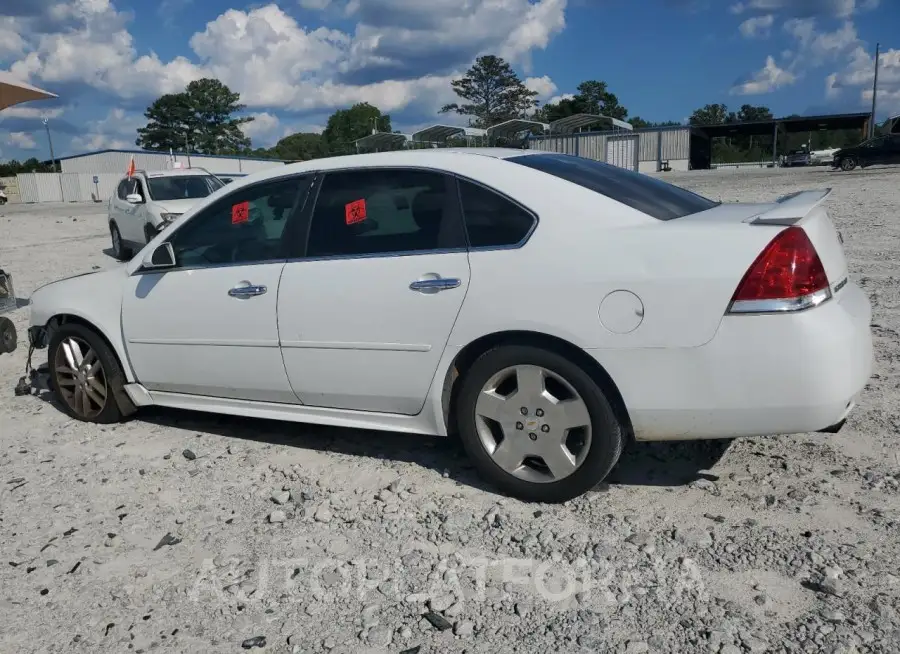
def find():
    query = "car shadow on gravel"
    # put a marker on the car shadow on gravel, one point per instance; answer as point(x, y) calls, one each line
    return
point(641, 464)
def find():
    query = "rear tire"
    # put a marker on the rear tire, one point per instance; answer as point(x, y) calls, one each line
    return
point(8, 338)
point(848, 163)
point(120, 252)
point(523, 458)
point(85, 374)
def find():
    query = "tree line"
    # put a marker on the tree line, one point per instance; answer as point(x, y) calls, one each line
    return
point(206, 118)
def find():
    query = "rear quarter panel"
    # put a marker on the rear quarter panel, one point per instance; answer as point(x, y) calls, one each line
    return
point(587, 246)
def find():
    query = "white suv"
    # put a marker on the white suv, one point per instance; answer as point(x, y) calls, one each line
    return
point(146, 202)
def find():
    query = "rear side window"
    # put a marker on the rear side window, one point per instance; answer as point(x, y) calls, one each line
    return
point(491, 219)
point(381, 211)
point(653, 197)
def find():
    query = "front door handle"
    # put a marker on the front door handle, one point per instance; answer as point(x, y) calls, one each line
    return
point(434, 285)
point(246, 289)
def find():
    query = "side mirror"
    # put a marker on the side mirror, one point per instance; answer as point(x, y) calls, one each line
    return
point(134, 198)
point(162, 256)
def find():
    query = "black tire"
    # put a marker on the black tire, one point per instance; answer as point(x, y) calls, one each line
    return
point(8, 337)
point(120, 252)
point(607, 433)
point(848, 163)
point(149, 233)
point(112, 371)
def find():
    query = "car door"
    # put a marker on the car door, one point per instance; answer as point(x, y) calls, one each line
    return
point(893, 149)
point(117, 206)
point(208, 326)
point(365, 315)
point(876, 152)
point(129, 221)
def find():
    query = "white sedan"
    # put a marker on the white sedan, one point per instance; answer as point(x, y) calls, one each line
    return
point(544, 308)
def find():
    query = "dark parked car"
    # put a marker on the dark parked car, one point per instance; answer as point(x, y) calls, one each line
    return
point(877, 151)
point(797, 158)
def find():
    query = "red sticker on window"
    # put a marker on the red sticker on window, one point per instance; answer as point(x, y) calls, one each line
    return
point(240, 213)
point(355, 212)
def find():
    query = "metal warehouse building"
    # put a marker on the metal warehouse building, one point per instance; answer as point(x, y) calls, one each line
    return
point(679, 147)
point(116, 161)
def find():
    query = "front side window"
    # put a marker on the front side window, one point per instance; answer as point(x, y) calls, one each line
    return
point(492, 220)
point(364, 212)
point(247, 226)
point(649, 195)
point(182, 187)
point(122, 190)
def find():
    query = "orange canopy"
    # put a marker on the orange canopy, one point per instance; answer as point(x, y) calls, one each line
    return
point(12, 91)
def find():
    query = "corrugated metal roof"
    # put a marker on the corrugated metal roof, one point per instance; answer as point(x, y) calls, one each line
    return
point(515, 126)
point(382, 140)
point(569, 124)
point(177, 154)
point(444, 132)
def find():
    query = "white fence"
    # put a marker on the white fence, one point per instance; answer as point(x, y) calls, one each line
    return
point(66, 187)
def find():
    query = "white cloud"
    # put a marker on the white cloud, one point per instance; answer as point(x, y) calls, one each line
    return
point(756, 27)
point(858, 75)
point(544, 86)
point(31, 112)
point(400, 53)
point(264, 130)
point(118, 130)
point(21, 140)
point(807, 8)
point(765, 80)
point(818, 47)
point(11, 41)
point(557, 98)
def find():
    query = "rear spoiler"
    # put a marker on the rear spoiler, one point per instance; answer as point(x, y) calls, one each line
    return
point(791, 209)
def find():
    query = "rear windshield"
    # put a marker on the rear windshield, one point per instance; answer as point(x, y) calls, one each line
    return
point(652, 196)
point(184, 187)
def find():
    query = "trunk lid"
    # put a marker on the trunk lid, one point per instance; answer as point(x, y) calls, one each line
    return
point(803, 209)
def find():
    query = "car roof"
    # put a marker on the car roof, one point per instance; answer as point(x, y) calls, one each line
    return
point(426, 158)
point(174, 172)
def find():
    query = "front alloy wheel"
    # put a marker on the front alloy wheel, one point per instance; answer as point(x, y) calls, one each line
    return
point(85, 374)
point(80, 378)
point(848, 163)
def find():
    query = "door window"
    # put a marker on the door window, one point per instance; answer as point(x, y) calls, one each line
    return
point(384, 211)
point(492, 220)
point(247, 226)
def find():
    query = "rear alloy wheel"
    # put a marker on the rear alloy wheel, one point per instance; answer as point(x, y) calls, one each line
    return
point(848, 163)
point(537, 425)
point(85, 374)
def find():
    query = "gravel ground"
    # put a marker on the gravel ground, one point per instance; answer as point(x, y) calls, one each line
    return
point(186, 532)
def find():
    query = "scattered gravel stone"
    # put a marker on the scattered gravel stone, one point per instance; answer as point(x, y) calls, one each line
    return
point(189, 455)
point(438, 621)
point(277, 516)
point(281, 497)
point(256, 641)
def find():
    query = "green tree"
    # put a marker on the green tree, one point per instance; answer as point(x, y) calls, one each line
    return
point(750, 114)
point(712, 114)
point(200, 119)
point(32, 165)
point(493, 93)
point(348, 125)
point(302, 146)
point(593, 97)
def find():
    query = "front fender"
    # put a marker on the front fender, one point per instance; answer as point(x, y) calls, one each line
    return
point(95, 299)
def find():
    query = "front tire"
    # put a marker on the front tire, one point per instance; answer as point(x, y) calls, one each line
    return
point(85, 374)
point(119, 251)
point(536, 425)
point(848, 164)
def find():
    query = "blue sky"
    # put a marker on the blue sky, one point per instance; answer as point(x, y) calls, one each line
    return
point(296, 61)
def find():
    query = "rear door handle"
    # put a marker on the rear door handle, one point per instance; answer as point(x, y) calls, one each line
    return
point(435, 285)
point(246, 289)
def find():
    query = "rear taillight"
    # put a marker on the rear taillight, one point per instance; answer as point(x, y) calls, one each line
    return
point(787, 276)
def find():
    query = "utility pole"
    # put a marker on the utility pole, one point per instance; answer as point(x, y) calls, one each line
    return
point(46, 122)
point(874, 93)
point(187, 149)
